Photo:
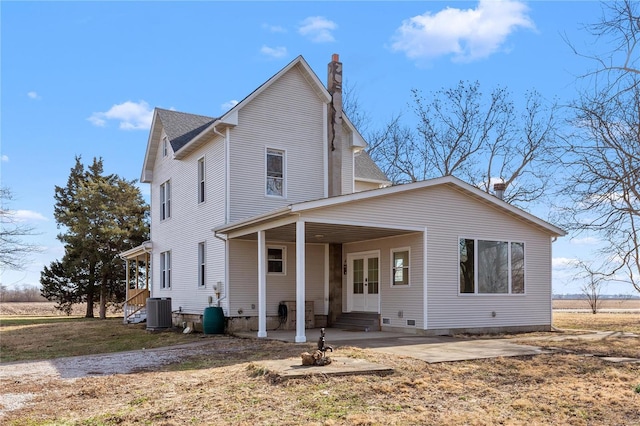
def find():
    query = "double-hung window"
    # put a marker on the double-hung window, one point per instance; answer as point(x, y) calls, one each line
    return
point(202, 262)
point(276, 263)
point(201, 177)
point(165, 269)
point(275, 173)
point(491, 267)
point(400, 267)
point(165, 200)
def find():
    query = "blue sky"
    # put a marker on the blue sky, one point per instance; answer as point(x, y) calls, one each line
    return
point(82, 78)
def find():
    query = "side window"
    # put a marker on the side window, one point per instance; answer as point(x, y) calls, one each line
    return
point(276, 260)
point(400, 267)
point(201, 180)
point(165, 200)
point(165, 270)
point(275, 178)
point(165, 146)
point(202, 262)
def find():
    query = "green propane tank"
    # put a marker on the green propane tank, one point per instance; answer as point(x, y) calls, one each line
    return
point(213, 321)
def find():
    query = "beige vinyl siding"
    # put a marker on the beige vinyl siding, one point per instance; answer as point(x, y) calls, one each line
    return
point(243, 273)
point(287, 116)
point(448, 214)
point(191, 222)
point(365, 186)
point(405, 299)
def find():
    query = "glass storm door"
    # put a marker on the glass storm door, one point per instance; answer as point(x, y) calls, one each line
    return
point(364, 283)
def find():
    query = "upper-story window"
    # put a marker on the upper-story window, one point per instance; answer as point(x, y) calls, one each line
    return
point(201, 180)
point(165, 200)
point(165, 146)
point(275, 172)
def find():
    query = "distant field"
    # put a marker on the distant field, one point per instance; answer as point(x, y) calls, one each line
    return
point(41, 309)
point(604, 304)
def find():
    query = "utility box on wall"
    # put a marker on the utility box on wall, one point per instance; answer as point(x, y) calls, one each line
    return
point(309, 316)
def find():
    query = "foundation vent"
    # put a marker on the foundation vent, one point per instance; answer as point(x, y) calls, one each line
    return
point(411, 322)
point(386, 321)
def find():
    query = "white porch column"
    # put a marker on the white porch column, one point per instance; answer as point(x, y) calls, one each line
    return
point(262, 285)
point(300, 283)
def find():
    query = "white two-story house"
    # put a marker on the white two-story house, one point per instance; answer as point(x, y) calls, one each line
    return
point(276, 204)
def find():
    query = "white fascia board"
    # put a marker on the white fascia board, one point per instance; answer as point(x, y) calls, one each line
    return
point(311, 219)
point(384, 182)
point(225, 229)
point(151, 151)
point(262, 226)
point(358, 141)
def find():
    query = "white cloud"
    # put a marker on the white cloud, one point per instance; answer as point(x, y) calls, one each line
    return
point(131, 115)
point(5, 158)
point(33, 95)
point(228, 105)
point(274, 28)
point(274, 52)
point(586, 241)
point(28, 216)
point(563, 262)
point(318, 29)
point(468, 34)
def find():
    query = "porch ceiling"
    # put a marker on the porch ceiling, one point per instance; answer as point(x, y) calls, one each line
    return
point(328, 233)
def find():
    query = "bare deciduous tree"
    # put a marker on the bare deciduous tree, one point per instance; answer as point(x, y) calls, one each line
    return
point(593, 282)
point(14, 250)
point(603, 159)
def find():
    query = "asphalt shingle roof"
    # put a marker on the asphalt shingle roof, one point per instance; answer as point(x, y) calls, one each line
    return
point(366, 168)
point(181, 127)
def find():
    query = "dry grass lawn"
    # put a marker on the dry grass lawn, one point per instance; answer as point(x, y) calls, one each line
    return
point(228, 386)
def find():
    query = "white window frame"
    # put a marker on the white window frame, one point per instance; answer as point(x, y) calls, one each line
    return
point(165, 200)
point(283, 250)
point(509, 267)
point(201, 181)
point(283, 154)
point(407, 267)
point(202, 264)
point(165, 146)
point(165, 270)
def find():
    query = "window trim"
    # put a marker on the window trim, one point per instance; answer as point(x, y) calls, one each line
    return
point(202, 176)
point(283, 153)
point(393, 267)
point(202, 264)
point(509, 265)
point(165, 270)
point(165, 200)
point(283, 250)
point(165, 146)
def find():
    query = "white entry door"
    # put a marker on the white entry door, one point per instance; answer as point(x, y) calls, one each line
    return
point(364, 285)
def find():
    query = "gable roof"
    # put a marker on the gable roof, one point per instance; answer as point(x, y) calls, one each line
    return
point(367, 170)
point(446, 181)
point(181, 127)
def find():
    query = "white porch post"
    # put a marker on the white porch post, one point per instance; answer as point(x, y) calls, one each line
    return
point(262, 285)
point(300, 283)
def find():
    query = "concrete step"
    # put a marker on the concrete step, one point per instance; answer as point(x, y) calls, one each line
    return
point(359, 321)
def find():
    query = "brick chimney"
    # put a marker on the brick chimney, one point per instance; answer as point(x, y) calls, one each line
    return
point(499, 188)
point(334, 119)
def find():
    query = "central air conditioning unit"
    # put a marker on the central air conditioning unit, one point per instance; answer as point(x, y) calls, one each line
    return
point(159, 313)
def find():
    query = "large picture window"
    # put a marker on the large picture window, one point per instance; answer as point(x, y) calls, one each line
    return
point(400, 267)
point(165, 270)
point(165, 200)
point(275, 172)
point(491, 267)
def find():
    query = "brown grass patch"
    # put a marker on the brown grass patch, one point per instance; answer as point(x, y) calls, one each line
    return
point(228, 386)
point(625, 322)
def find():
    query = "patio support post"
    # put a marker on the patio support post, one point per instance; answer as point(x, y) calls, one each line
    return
point(300, 282)
point(262, 285)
